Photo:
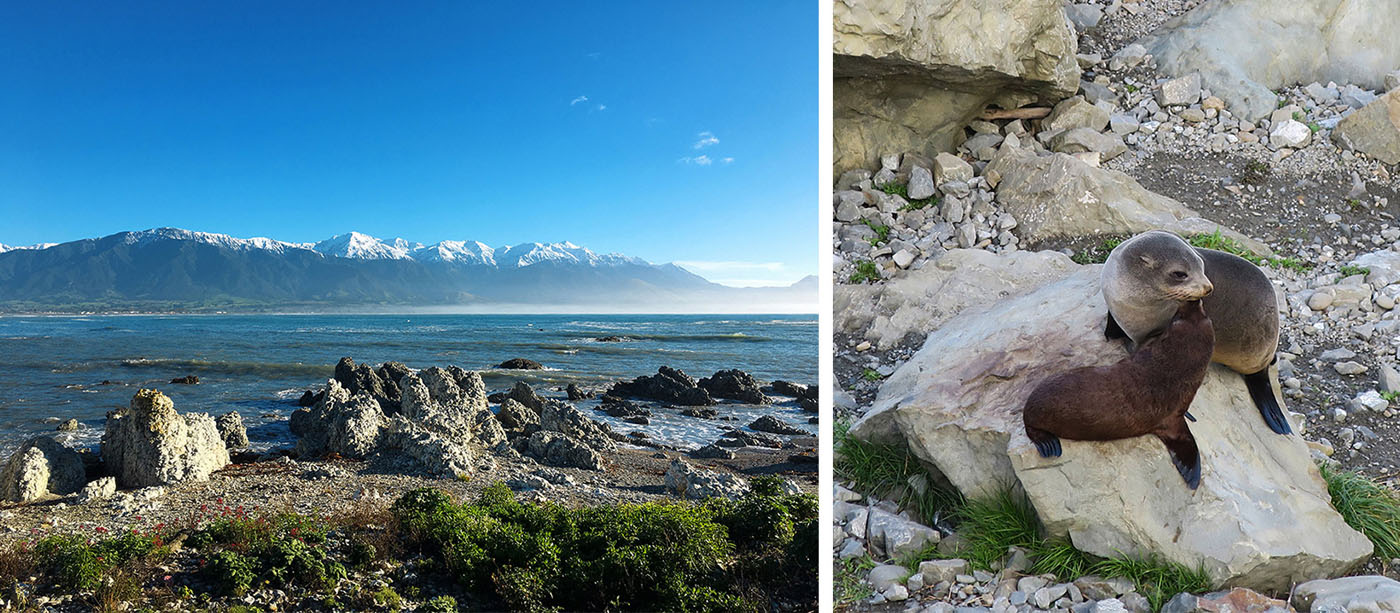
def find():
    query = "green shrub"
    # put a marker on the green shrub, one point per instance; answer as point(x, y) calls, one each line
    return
point(79, 564)
point(865, 271)
point(388, 599)
point(232, 572)
point(441, 604)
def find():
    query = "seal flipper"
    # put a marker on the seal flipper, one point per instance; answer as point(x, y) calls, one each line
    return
point(1262, 392)
point(1046, 443)
point(1189, 417)
point(1112, 330)
point(1182, 448)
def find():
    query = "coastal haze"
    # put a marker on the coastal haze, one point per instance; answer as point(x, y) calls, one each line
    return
point(170, 269)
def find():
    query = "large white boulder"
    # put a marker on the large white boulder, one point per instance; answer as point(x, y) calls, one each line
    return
point(1059, 196)
point(150, 444)
point(41, 467)
point(1261, 518)
point(1368, 594)
point(1244, 49)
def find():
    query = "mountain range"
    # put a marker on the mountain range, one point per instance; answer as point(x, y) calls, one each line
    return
point(173, 269)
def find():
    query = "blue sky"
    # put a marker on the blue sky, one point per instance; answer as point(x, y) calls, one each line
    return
point(679, 132)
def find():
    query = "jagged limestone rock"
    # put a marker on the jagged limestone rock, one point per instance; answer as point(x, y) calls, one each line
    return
point(41, 467)
point(151, 444)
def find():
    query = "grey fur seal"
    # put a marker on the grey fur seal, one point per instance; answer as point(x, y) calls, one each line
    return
point(1147, 392)
point(1147, 276)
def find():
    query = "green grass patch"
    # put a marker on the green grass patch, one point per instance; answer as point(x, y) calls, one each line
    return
point(870, 374)
point(866, 270)
point(1097, 254)
point(1368, 507)
point(889, 471)
point(1314, 126)
point(1219, 242)
point(1350, 270)
point(1254, 173)
point(723, 555)
point(1156, 579)
point(851, 586)
point(1299, 116)
point(1390, 396)
point(882, 232)
point(915, 205)
point(894, 188)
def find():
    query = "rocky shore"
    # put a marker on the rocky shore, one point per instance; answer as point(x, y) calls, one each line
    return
point(372, 435)
point(966, 237)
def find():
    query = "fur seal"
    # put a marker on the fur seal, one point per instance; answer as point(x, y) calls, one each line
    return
point(1147, 276)
point(1147, 392)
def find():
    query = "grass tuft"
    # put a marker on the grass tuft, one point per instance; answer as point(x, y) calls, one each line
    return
point(1156, 579)
point(1097, 254)
point(851, 585)
point(894, 188)
point(1368, 507)
point(890, 471)
point(1350, 270)
point(865, 271)
point(1219, 242)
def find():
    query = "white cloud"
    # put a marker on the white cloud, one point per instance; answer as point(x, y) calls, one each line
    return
point(595, 55)
point(706, 139)
point(728, 160)
point(602, 107)
point(742, 274)
point(578, 100)
point(699, 160)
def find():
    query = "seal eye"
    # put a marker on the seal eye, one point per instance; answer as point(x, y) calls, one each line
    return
point(1180, 275)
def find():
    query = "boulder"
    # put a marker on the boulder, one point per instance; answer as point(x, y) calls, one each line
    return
point(151, 444)
point(1237, 600)
point(232, 430)
point(565, 419)
point(1289, 133)
point(362, 378)
point(393, 371)
point(948, 168)
point(667, 385)
point(1374, 130)
point(557, 449)
point(688, 481)
point(773, 425)
point(99, 489)
point(349, 427)
point(911, 305)
point(1351, 594)
point(185, 380)
point(1086, 140)
point(735, 385)
point(524, 394)
point(520, 364)
point(908, 76)
point(1180, 91)
point(575, 394)
point(1058, 196)
point(1245, 49)
point(309, 398)
point(618, 407)
point(897, 536)
point(712, 452)
point(1261, 518)
point(806, 395)
point(410, 447)
point(453, 404)
point(68, 425)
point(41, 467)
point(752, 439)
point(1073, 113)
point(518, 419)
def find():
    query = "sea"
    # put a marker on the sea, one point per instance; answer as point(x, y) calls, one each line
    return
point(53, 368)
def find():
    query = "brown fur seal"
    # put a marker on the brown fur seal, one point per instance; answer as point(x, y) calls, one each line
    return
point(1147, 392)
point(1147, 276)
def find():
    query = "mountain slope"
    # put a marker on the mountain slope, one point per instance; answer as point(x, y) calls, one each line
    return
point(172, 268)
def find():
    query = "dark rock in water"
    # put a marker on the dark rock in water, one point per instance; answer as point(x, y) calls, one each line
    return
point(756, 439)
point(640, 420)
point(520, 364)
point(639, 435)
point(518, 419)
point(107, 382)
point(731, 442)
point(712, 452)
point(610, 339)
point(556, 449)
point(185, 380)
point(576, 394)
point(667, 385)
point(773, 425)
point(618, 407)
point(806, 395)
point(806, 457)
point(393, 371)
point(703, 413)
point(497, 397)
point(734, 385)
point(813, 420)
point(232, 430)
point(310, 398)
point(68, 426)
point(301, 422)
point(524, 394)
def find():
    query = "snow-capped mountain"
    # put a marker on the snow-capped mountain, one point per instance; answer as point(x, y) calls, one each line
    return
point(165, 267)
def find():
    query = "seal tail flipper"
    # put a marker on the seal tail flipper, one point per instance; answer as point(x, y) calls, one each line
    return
point(1046, 443)
point(1112, 330)
point(1182, 448)
point(1262, 392)
point(1190, 417)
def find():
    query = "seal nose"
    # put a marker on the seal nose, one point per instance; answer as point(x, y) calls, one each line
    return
point(1206, 289)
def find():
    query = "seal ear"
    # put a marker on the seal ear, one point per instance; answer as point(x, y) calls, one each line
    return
point(1148, 261)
